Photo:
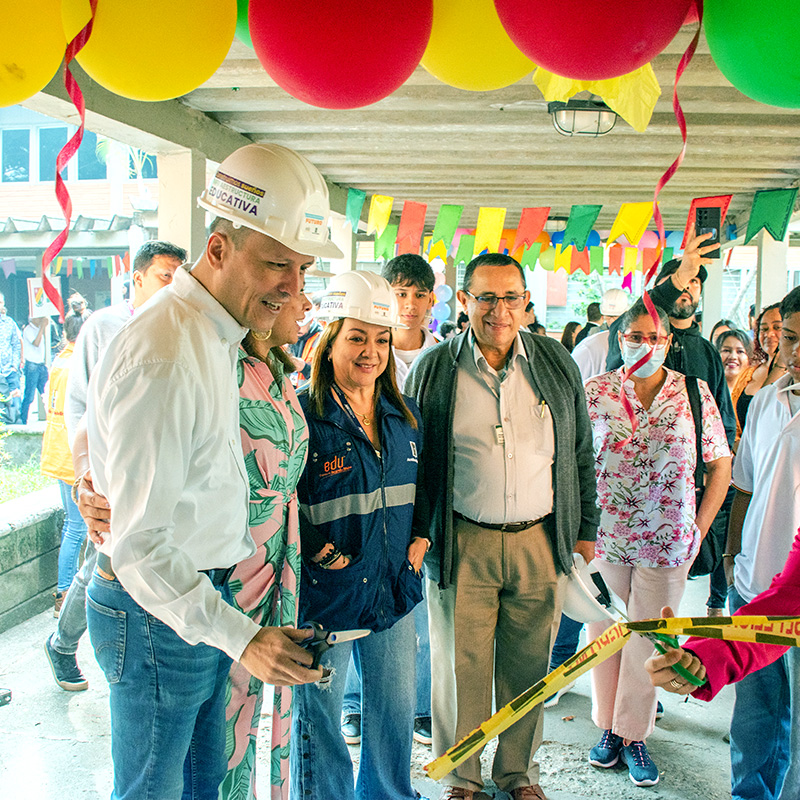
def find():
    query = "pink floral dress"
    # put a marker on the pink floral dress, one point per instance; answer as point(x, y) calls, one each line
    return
point(275, 442)
point(645, 486)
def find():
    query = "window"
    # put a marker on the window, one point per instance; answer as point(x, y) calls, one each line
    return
point(16, 156)
point(90, 167)
point(51, 140)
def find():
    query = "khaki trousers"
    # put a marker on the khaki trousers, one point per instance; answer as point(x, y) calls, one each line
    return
point(493, 628)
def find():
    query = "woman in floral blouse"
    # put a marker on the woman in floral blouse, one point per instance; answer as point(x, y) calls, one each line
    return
point(650, 529)
point(274, 442)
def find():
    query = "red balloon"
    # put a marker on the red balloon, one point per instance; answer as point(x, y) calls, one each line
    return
point(591, 39)
point(342, 54)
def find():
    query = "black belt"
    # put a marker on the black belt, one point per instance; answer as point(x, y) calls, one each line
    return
point(506, 527)
point(218, 577)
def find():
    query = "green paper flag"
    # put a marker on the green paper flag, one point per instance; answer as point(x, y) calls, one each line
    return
point(579, 225)
point(355, 203)
point(110, 266)
point(384, 244)
point(771, 210)
point(531, 255)
point(79, 267)
point(596, 259)
point(465, 246)
point(446, 224)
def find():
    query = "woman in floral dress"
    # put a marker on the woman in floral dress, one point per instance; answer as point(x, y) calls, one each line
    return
point(274, 441)
point(650, 528)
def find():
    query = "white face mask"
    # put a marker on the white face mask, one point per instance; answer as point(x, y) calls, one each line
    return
point(633, 353)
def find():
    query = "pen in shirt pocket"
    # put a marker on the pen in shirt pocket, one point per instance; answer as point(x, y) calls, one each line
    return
point(541, 409)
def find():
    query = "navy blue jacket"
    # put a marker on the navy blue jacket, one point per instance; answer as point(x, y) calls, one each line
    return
point(364, 505)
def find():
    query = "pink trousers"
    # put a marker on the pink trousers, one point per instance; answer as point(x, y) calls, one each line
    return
point(623, 699)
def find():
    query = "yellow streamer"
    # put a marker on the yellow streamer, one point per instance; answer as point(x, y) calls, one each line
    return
point(380, 209)
point(489, 230)
point(632, 96)
point(762, 629)
point(631, 222)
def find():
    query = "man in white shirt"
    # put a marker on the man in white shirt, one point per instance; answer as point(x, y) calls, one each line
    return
point(34, 353)
point(765, 517)
point(591, 353)
point(164, 447)
point(412, 281)
point(153, 269)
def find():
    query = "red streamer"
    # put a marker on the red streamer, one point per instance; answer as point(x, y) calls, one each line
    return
point(63, 158)
point(665, 178)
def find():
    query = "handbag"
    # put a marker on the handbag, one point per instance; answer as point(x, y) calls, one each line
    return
point(711, 548)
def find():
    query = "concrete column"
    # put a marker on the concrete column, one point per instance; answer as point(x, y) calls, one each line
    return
point(536, 283)
point(772, 270)
point(343, 237)
point(181, 180)
point(712, 297)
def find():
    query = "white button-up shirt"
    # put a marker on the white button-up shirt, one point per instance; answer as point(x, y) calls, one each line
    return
point(164, 448)
point(767, 465)
point(503, 441)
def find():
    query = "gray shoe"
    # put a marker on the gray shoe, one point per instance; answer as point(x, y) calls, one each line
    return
point(65, 669)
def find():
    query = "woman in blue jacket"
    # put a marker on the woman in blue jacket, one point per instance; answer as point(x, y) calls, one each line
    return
point(361, 551)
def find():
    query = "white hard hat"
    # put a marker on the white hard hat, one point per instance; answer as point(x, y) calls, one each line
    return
point(365, 296)
point(277, 192)
point(615, 302)
point(587, 598)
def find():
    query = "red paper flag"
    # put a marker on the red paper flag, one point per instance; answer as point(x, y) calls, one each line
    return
point(579, 260)
point(721, 201)
point(412, 223)
point(126, 260)
point(531, 225)
point(615, 254)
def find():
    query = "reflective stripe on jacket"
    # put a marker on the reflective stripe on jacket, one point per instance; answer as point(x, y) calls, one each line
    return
point(364, 504)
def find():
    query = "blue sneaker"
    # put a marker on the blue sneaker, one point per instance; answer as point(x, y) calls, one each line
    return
point(642, 771)
point(606, 752)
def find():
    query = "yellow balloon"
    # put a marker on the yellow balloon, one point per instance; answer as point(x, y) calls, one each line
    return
point(469, 48)
point(32, 45)
point(151, 49)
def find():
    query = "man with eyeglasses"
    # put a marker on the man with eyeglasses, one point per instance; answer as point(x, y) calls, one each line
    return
point(508, 470)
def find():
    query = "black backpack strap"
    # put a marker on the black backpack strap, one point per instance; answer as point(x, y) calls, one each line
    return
point(693, 390)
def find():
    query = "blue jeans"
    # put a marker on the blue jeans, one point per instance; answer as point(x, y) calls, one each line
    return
point(319, 760)
point(35, 381)
point(167, 700)
point(765, 729)
point(352, 689)
point(73, 535)
point(567, 640)
point(9, 408)
point(72, 619)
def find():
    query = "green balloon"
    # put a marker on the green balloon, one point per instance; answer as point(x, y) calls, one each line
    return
point(756, 47)
point(242, 22)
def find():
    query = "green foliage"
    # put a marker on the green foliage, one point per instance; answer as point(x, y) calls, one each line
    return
point(19, 481)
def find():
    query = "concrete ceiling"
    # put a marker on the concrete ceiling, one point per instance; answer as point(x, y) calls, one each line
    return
point(432, 143)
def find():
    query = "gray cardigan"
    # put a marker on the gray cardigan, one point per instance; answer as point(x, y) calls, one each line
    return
point(557, 381)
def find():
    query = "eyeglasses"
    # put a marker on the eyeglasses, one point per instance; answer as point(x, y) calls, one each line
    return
point(639, 338)
point(488, 301)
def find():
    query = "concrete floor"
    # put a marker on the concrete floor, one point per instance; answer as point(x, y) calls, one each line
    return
point(56, 745)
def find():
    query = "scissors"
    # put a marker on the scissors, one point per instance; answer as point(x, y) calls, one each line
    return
point(606, 599)
point(323, 640)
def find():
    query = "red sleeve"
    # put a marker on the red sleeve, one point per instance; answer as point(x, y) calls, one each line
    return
point(728, 662)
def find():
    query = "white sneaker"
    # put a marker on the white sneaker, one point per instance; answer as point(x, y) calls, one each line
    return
point(553, 700)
